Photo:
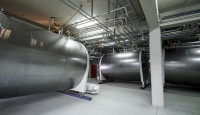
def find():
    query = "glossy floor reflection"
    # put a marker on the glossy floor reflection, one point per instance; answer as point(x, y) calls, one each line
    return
point(114, 99)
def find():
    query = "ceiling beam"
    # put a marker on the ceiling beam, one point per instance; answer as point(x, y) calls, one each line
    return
point(180, 10)
point(182, 20)
point(150, 9)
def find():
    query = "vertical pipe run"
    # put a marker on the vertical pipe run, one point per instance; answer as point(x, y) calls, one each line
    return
point(92, 6)
point(108, 5)
point(49, 25)
point(114, 15)
point(141, 72)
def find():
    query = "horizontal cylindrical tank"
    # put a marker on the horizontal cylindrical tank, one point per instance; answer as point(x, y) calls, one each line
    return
point(121, 66)
point(33, 60)
point(182, 66)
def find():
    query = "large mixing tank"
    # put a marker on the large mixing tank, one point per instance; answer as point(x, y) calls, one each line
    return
point(33, 60)
point(122, 66)
point(182, 66)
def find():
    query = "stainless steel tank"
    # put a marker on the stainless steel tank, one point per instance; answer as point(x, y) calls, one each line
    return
point(33, 60)
point(182, 66)
point(122, 66)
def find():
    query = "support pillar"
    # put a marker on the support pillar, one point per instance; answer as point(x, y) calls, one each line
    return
point(156, 61)
point(150, 9)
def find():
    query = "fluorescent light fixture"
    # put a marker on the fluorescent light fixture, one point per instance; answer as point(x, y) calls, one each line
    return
point(109, 44)
point(95, 32)
point(125, 40)
point(93, 37)
point(86, 24)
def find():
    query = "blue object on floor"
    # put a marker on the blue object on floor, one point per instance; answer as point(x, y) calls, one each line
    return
point(76, 95)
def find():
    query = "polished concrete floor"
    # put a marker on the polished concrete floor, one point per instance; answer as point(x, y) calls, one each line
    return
point(114, 99)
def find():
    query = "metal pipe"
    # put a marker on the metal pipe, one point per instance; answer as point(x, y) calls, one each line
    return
point(126, 33)
point(190, 46)
point(99, 23)
point(108, 5)
point(130, 20)
point(134, 8)
point(122, 33)
point(122, 18)
point(94, 17)
point(114, 11)
point(71, 17)
point(131, 34)
point(92, 8)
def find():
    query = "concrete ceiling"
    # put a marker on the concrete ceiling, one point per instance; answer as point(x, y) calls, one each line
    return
point(40, 11)
point(167, 5)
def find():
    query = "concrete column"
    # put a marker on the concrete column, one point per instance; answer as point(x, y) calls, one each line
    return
point(155, 46)
point(150, 9)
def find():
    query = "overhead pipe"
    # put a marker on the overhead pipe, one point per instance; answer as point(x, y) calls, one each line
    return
point(130, 20)
point(127, 33)
point(94, 17)
point(99, 23)
point(122, 33)
point(92, 6)
point(181, 33)
point(72, 17)
point(130, 32)
point(117, 9)
point(108, 5)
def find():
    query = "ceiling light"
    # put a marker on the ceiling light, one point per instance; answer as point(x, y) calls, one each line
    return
point(93, 37)
point(86, 24)
point(108, 44)
point(95, 32)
